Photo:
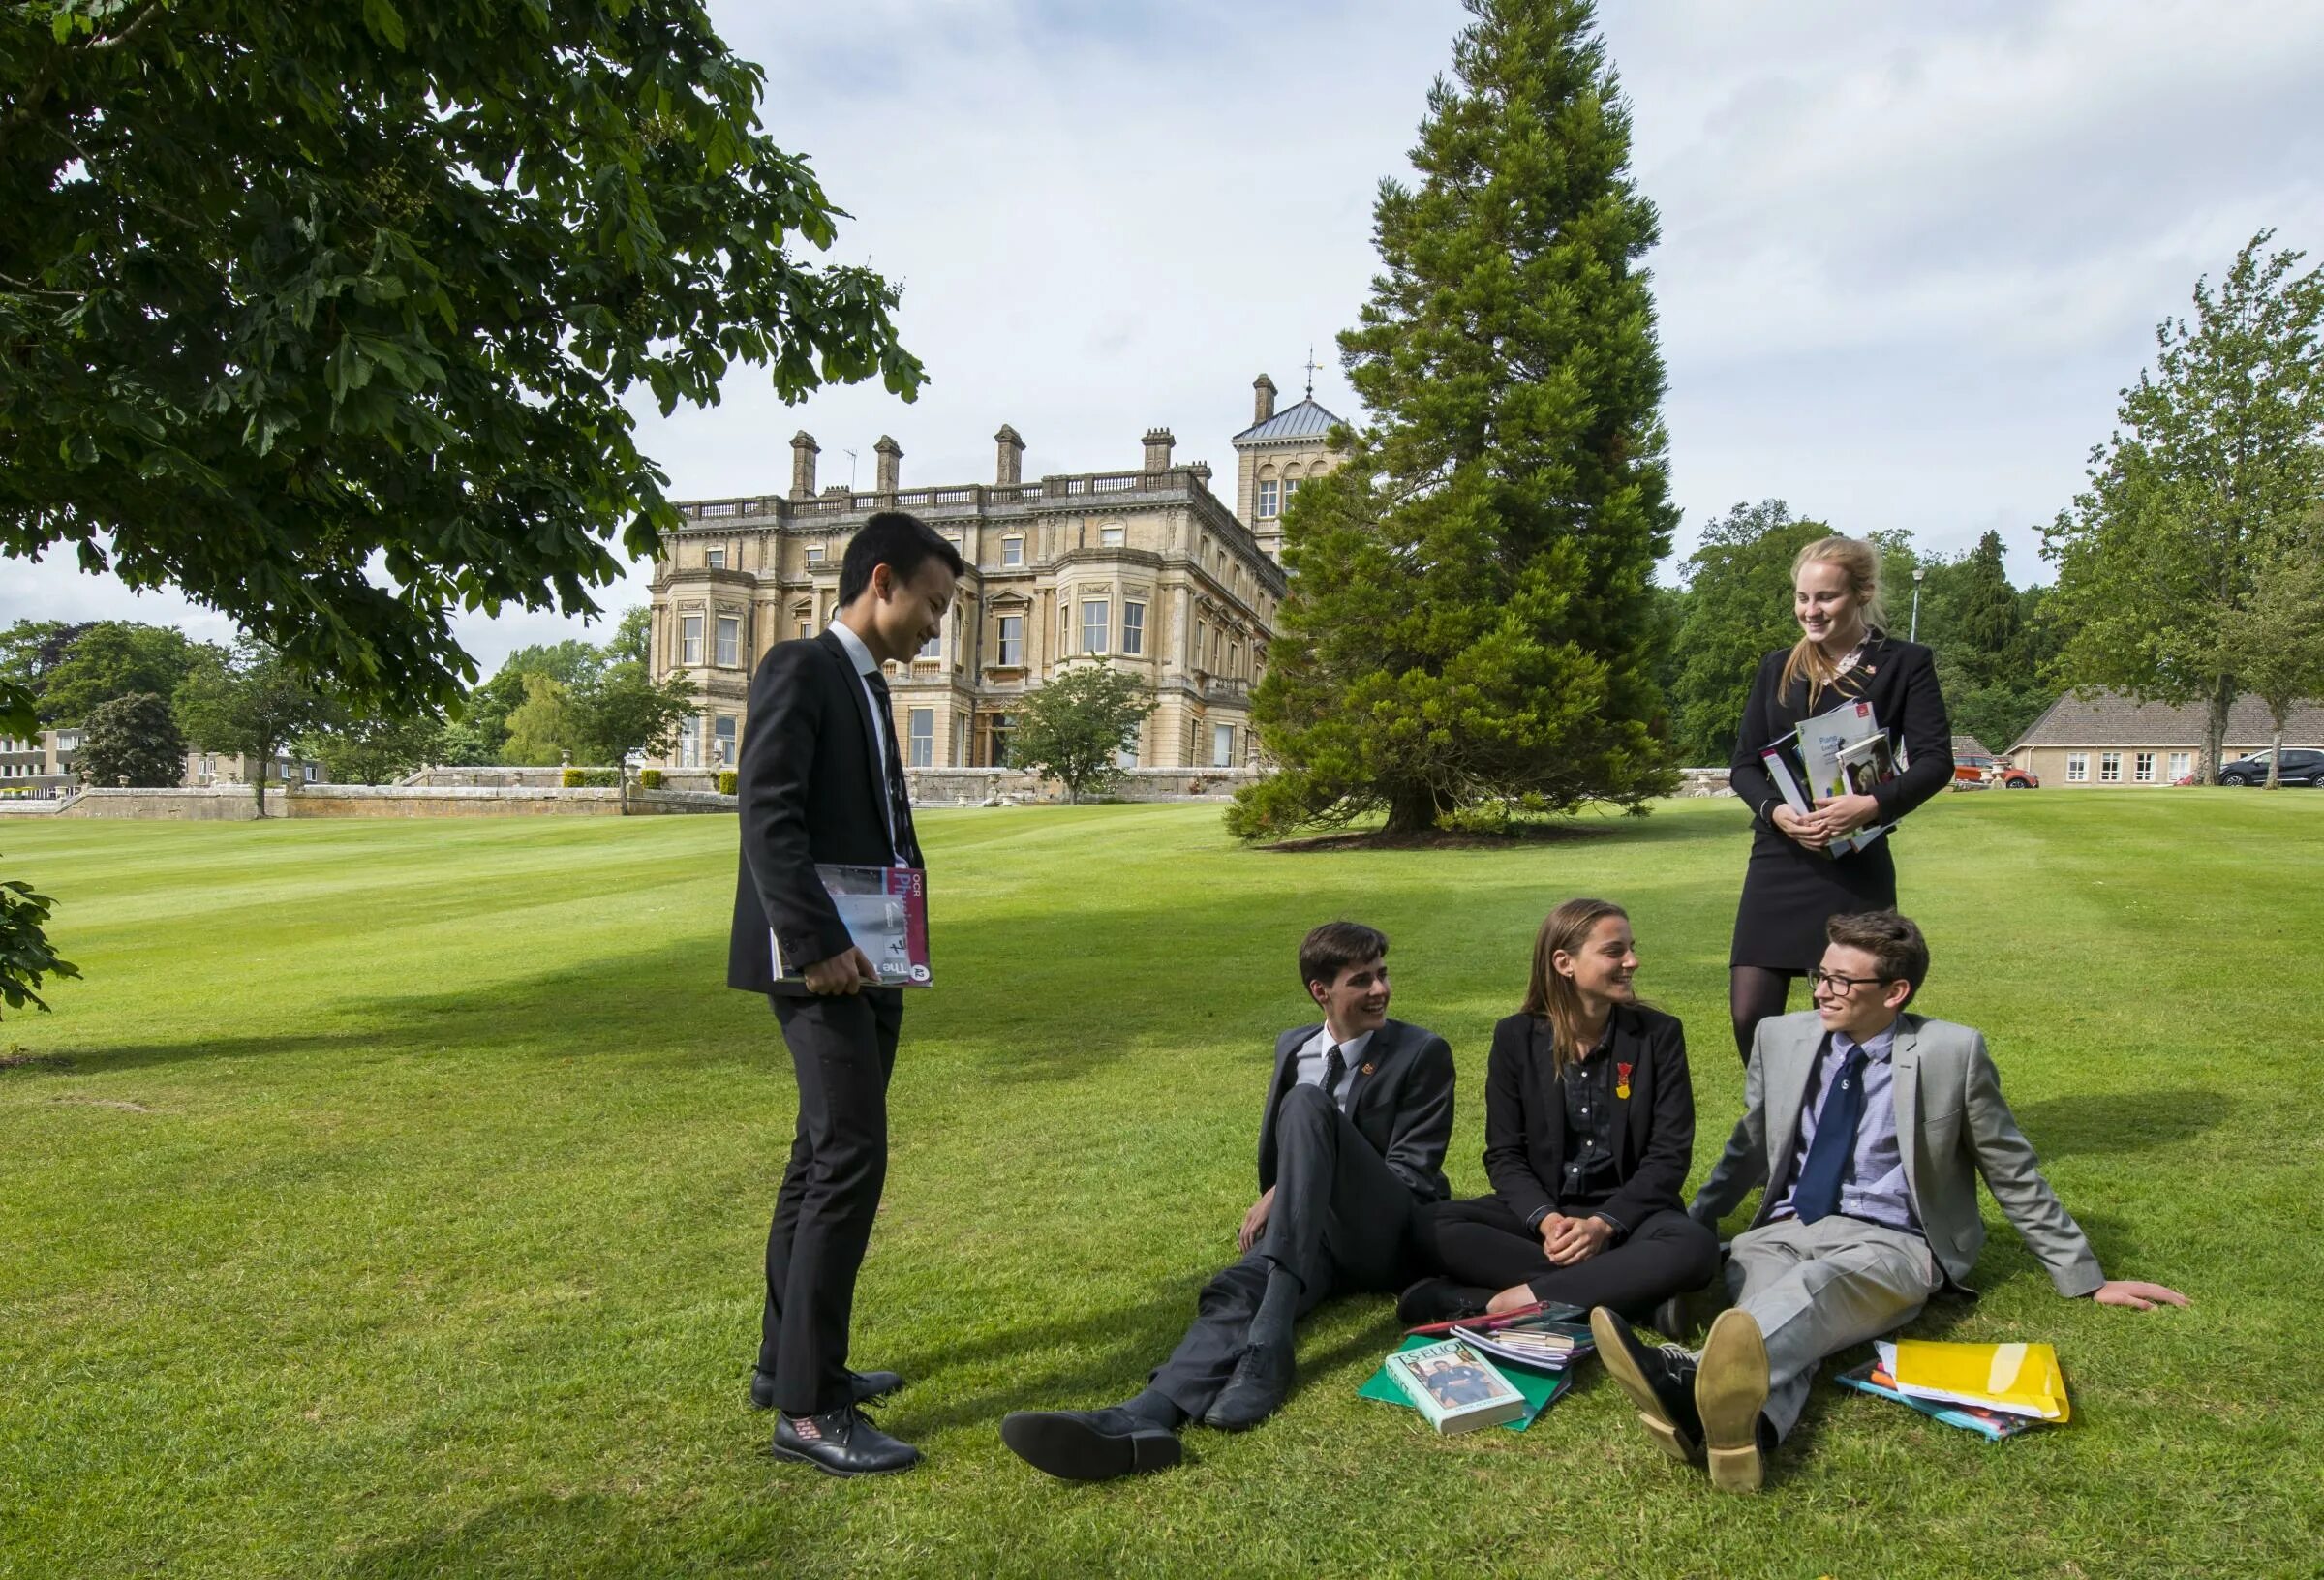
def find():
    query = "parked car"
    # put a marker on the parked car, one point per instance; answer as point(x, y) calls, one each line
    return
point(2301, 765)
point(2011, 777)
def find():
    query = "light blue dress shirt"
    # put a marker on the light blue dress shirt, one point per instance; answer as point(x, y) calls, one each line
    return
point(1314, 1055)
point(1873, 1188)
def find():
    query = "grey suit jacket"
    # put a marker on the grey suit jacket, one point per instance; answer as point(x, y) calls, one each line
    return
point(1951, 1125)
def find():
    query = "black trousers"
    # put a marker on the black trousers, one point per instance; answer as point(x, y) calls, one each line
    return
point(1341, 1221)
point(1482, 1242)
point(844, 1049)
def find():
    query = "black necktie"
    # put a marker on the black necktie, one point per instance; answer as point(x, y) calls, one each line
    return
point(900, 800)
point(1335, 1069)
point(1818, 1193)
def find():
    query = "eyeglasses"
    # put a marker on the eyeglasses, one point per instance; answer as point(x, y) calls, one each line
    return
point(1842, 986)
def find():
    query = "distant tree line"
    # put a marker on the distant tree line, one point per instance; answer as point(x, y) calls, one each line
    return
point(142, 695)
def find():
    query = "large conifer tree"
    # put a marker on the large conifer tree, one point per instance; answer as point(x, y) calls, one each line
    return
point(1469, 618)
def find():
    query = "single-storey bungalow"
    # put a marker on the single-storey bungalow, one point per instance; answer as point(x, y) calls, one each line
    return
point(2107, 738)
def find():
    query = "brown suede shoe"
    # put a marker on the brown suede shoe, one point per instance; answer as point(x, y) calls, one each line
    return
point(1730, 1395)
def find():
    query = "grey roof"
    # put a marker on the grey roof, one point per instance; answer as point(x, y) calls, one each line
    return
point(1305, 420)
point(1968, 746)
point(2114, 718)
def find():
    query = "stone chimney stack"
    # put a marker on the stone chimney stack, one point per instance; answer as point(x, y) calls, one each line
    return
point(1158, 441)
point(1010, 468)
point(1262, 404)
point(804, 451)
point(891, 463)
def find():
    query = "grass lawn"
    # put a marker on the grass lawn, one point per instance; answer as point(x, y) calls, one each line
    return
point(396, 1206)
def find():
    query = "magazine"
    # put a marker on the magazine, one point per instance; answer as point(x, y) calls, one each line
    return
point(2013, 1379)
point(1455, 1387)
point(885, 910)
point(1537, 1341)
point(1837, 753)
point(1992, 1425)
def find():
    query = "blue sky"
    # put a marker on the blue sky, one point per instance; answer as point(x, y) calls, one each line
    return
point(1910, 254)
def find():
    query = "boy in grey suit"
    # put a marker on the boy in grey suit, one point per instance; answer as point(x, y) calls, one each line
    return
point(1868, 1128)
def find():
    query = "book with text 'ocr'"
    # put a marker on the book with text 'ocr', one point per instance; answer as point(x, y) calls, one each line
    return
point(885, 911)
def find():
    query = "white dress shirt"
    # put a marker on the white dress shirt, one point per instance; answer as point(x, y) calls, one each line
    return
point(866, 664)
point(1314, 1058)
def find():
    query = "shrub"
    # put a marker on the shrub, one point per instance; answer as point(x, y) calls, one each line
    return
point(602, 778)
point(649, 778)
point(725, 781)
point(571, 778)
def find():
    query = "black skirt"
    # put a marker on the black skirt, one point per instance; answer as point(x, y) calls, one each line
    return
point(1790, 893)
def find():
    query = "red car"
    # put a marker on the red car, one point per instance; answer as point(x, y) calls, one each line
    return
point(1984, 772)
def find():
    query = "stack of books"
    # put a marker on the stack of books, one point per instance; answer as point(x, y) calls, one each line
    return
point(1539, 1343)
point(1844, 752)
point(1996, 1390)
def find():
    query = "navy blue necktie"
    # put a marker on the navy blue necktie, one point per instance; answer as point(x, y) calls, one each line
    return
point(1335, 1069)
point(1818, 1192)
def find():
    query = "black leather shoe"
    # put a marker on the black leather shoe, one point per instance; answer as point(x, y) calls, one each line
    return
point(1661, 1383)
point(1434, 1300)
point(868, 1386)
point(1260, 1383)
point(1089, 1444)
point(840, 1443)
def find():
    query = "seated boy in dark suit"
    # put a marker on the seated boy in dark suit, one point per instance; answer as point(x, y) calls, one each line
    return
point(1351, 1143)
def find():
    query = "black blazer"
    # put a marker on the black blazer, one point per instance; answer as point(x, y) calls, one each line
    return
point(1401, 1102)
point(810, 790)
point(1899, 679)
point(1525, 1117)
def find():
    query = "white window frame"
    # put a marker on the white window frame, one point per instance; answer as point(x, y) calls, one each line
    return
point(920, 738)
point(1270, 493)
point(729, 639)
point(1011, 552)
point(2110, 768)
point(1102, 631)
point(2142, 767)
point(2077, 768)
point(2181, 763)
point(689, 639)
point(690, 743)
point(714, 559)
point(1112, 537)
point(725, 740)
point(1012, 642)
point(1133, 627)
point(1222, 745)
point(814, 554)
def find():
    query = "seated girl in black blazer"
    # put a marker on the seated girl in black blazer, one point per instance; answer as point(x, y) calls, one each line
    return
point(1589, 1129)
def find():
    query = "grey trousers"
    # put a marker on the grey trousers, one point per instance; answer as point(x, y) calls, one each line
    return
point(1341, 1221)
point(1815, 1289)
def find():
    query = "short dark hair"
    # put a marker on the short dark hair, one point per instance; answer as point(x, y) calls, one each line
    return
point(901, 542)
point(1333, 946)
point(1893, 941)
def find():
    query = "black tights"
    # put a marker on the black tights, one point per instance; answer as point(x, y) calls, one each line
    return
point(1753, 992)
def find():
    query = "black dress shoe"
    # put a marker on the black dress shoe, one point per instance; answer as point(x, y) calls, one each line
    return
point(1659, 1382)
point(1089, 1444)
point(1434, 1300)
point(840, 1443)
point(867, 1385)
point(1260, 1383)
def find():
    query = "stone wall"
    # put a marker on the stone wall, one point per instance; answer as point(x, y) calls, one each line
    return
point(983, 786)
point(1703, 782)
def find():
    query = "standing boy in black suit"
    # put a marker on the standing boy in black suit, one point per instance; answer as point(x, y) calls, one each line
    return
point(1351, 1143)
point(820, 781)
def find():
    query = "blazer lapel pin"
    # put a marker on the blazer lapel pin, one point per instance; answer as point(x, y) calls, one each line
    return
point(1369, 1067)
point(1622, 1082)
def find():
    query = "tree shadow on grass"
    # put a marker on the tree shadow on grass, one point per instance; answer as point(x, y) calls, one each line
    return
point(2112, 1123)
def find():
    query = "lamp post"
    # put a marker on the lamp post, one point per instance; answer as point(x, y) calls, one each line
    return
point(1921, 574)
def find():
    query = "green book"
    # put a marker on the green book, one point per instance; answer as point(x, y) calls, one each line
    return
point(1541, 1389)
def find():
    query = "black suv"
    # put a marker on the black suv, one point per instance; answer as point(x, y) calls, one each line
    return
point(2301, 765)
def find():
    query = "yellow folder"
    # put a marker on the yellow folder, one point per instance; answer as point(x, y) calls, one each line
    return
point(2020, 1378)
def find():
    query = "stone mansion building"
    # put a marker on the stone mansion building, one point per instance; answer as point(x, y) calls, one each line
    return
point(1147, 570)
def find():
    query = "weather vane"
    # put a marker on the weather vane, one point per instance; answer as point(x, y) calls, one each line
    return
point(1312, 366)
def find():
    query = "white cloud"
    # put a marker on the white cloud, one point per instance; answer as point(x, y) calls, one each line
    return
point(1910, 254)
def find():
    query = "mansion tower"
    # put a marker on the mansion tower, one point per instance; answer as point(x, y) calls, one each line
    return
point(1144, 570)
